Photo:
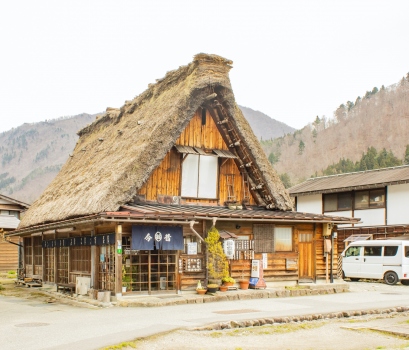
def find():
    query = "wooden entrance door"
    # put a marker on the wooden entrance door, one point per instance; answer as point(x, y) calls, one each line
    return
point(306, 255)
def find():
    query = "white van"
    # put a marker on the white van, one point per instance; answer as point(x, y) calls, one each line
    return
point(386, 259)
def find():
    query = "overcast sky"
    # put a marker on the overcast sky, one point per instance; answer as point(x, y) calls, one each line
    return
point(292, 60)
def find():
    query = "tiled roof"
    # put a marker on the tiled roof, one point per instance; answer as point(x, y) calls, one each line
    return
point(353, 181)
point(191, 212)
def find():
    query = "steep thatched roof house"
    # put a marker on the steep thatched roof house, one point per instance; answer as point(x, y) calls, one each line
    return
point(146, 182)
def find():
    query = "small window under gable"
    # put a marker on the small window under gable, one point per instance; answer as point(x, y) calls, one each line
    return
point(199, 176)
point(200, 171)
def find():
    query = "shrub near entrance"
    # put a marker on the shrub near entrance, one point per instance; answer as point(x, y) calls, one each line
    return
point(217, 264)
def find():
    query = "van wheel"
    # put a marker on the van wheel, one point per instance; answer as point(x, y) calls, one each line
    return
point(405, 282)
point(391, 278)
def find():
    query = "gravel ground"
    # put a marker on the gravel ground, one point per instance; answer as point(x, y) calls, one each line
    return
point(315, 335)
point(348, 334)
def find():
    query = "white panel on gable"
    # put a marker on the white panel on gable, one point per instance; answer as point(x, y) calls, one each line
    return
point(371, 217)
point(397, 204)
point(5, 201)
point(344, 213)
point(310, 204)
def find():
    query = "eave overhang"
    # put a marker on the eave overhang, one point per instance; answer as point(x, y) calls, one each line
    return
point(184, 214)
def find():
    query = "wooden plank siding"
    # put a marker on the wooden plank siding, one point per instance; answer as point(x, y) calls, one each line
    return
point(188, 280)
point(165, 179)
point(9, 255)
point(276, 262)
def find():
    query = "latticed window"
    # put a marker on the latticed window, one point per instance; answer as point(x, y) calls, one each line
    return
point(28, 255)
point(38, 256)
point(81, 259)
point(269, 238)
point(263, 238)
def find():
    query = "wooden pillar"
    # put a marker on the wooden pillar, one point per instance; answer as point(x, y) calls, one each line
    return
point(42, 261)
point(118, 258)
point(94, 266)
point(55, 261)
point(32, 256)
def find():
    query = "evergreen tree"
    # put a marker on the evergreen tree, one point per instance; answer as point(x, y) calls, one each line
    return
point(301, 147)
point(285, 179)
point(406, 159)
point(374, 90)
point(273, 158)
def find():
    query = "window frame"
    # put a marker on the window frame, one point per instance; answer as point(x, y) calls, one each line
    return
point(288, 239)
point(195, 169)
point(370, 194)
point(265, 237)
point(338, 198)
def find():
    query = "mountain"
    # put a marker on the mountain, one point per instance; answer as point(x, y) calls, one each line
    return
point(379, 120)
point(263, 126)
point(33, 153)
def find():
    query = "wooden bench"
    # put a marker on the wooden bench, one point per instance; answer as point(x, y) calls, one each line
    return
point(66, 287)
point(28, 282)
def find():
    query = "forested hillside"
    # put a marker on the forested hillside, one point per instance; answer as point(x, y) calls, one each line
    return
point(32, 154)
point(375, 124)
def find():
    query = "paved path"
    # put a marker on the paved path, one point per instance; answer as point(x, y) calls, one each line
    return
point(28, 324)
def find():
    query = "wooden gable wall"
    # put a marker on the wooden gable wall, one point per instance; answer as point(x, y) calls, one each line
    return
point(165, 179)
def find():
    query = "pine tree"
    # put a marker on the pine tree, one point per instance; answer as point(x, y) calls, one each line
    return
point(301, 147)
point(273, 158)
point(285, 179)
point(406, 159)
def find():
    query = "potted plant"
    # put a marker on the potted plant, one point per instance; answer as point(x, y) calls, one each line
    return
point(228, 281)
point(212, 287)
point(217, 264)
point(125, 280)
point(200, 289)
point(243, 283)
point(223, 288)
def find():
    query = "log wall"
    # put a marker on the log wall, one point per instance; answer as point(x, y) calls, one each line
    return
point(165, 179)
point(9, 255)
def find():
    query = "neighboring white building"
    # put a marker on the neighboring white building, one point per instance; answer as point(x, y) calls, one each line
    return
point(380, 198)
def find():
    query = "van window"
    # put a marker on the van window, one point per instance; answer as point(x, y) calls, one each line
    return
point(390, 251)
point(353, 251)
point(407, 252)
point(373, 251)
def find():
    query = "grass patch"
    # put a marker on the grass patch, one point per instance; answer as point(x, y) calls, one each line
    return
point(267, 330)
point(124, 345)
point(296, 287)
point(133, 344)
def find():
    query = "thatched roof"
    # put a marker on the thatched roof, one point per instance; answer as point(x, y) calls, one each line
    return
point(116, 154)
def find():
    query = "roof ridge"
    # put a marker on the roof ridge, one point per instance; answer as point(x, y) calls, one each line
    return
point(358, 172)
